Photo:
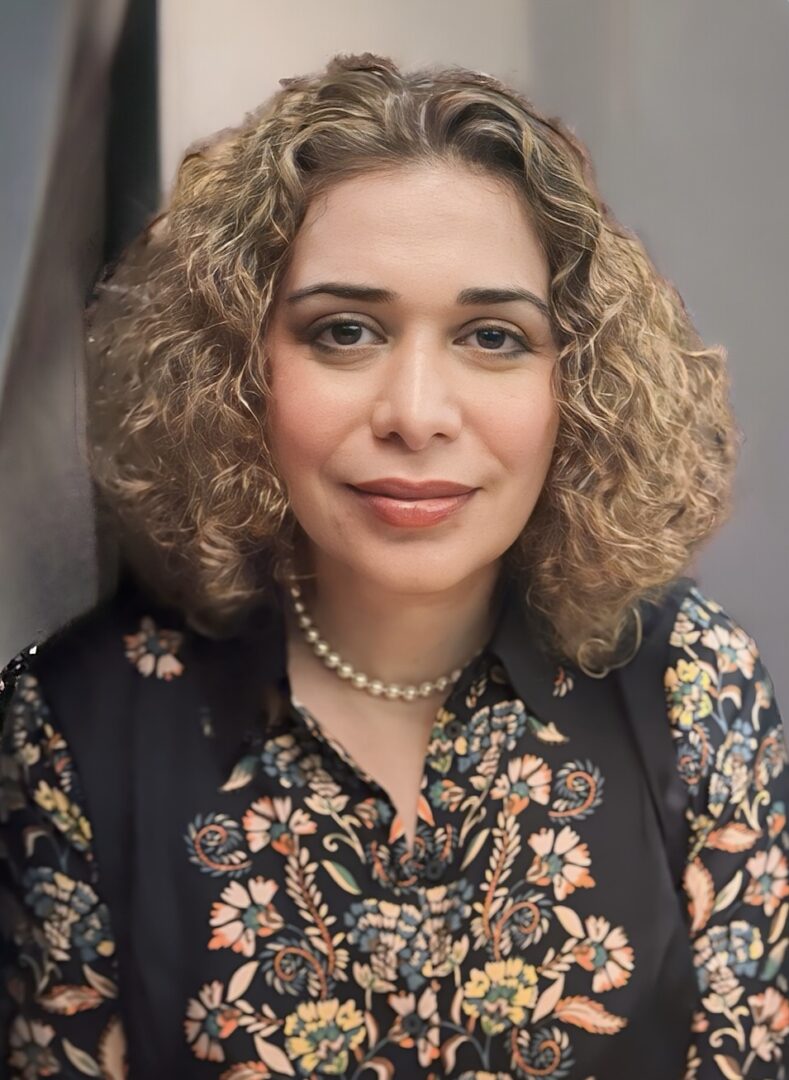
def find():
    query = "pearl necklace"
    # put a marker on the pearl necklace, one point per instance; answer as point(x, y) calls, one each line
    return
point(358, 679)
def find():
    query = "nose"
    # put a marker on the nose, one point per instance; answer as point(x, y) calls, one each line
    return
point(418, 396)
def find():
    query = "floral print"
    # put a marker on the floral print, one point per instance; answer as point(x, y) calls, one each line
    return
point(64, 988)
point(152, 649)
point(490, 948)
point(732, 754)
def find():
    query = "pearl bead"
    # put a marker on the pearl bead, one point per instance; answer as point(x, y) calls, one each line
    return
point(358, 679)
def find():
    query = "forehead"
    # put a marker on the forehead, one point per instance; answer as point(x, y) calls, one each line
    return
point(418, 222)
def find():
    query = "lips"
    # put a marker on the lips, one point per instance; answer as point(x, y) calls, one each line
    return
point(396, 488)
point(412, 504)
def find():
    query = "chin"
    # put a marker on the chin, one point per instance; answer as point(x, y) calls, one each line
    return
point(418, 573)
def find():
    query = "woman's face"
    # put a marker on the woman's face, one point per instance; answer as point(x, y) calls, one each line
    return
point(409, 375)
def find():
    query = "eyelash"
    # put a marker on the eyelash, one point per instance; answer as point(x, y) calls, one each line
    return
point(341, 321)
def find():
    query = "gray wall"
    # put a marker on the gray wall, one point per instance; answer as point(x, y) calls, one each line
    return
point(55, 58)
point(684, 106)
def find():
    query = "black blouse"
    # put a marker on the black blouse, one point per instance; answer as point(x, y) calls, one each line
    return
point(598, 887)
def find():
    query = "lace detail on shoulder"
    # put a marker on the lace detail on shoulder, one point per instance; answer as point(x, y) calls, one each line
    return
point(731, 754)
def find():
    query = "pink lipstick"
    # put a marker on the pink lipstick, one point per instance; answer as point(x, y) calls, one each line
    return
point(410, 504)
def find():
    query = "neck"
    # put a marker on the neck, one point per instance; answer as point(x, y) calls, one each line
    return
point(397, 637)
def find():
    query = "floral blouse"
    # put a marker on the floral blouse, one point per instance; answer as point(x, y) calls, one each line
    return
point(196, 886)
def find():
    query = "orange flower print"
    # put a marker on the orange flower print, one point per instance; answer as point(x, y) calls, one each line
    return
point(605, 951)
point(30, 1052)
point(245, 914)
point(270, 821)
point(152, 650)
point(768, 885)
point(562, 682)
point(771, 1013)
point(562, 860)
point(776, 820)
point(735, 650)
point(417, 1023)
point(527, 779)
point(209, 1019)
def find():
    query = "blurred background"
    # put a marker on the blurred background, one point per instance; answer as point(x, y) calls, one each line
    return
point(683, 107)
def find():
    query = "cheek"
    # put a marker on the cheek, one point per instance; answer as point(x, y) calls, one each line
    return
point(523, 438)
point(305, 425)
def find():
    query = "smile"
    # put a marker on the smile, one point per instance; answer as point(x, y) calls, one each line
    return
point(411, 513)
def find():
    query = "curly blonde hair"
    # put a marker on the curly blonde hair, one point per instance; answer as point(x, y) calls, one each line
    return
point(178, 384)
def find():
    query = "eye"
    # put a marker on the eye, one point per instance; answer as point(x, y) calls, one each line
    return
point(495, 335)
point(345, 333)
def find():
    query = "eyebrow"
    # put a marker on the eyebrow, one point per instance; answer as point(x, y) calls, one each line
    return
point(466, 297)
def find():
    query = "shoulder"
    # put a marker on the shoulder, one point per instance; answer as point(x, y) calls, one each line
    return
point(713, 657)
point(123, 638)
point(721, 701)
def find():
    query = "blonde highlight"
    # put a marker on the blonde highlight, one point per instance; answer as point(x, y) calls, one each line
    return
point(178, 389)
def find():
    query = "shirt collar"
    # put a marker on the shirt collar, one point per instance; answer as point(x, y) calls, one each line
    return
point(246, 673)
point(242, 675)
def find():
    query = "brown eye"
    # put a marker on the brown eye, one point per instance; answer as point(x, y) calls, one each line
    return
point(343, 332)
point(492, 336)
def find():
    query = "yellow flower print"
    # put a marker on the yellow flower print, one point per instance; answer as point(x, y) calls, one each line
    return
point(270, 821)
point(527, 779)
point(605, 951)
point(562, 860)
point(687, 690)
point(245, 915)
point(322, 1033)
point(66, 815)
point(768, 885)
point(501, 994)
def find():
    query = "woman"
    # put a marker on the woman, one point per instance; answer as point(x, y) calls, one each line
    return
point(403, 747)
